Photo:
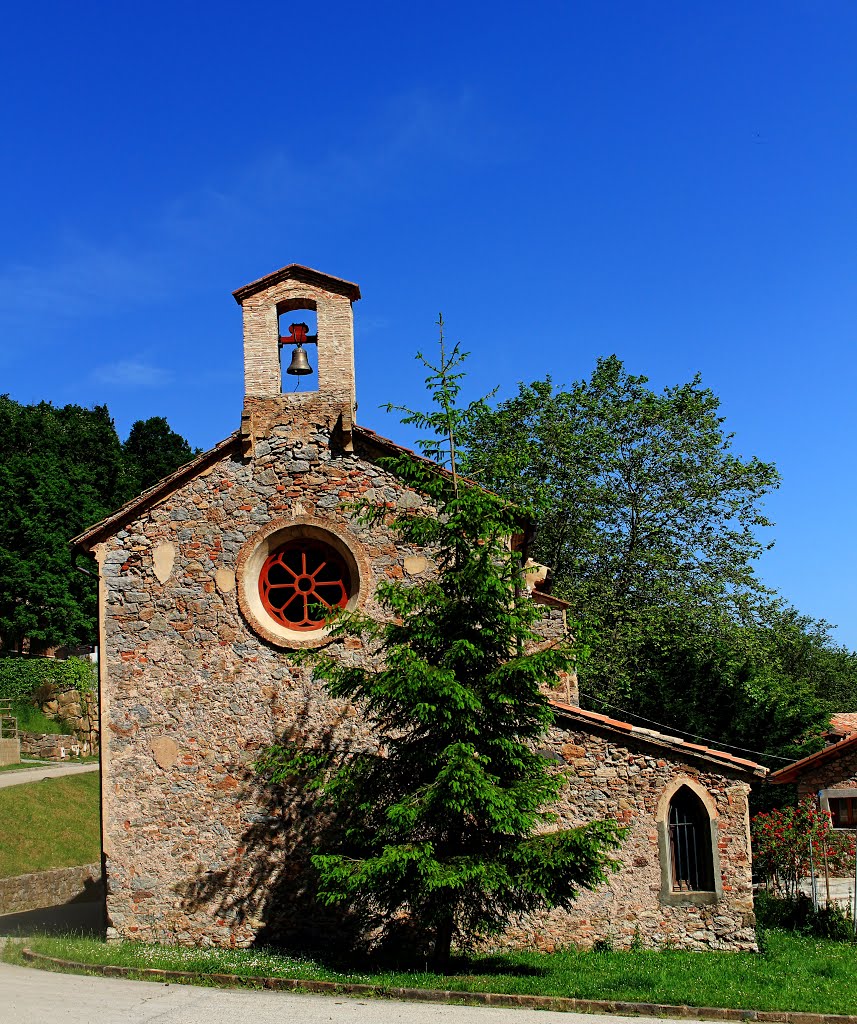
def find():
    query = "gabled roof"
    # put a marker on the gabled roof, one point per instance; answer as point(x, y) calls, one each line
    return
point(86, 540)
point(385, 444)
point(190, 469)
point(297, 272)
point(820, 757)
point(673, 745)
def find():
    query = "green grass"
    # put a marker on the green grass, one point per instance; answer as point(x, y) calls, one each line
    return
point(49, 824)
point(22, 766)
point(32, 719)
point(793, 973)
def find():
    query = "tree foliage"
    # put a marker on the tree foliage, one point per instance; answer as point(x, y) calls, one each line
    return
point(152, 451)
point(641, 502)
point(446, 822)
point(61, 469)
point(21, 677)
point(652, 525)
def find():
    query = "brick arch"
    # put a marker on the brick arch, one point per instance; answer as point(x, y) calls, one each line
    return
point(296, 302)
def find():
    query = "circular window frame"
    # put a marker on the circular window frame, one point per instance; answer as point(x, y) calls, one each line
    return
point(254, 554)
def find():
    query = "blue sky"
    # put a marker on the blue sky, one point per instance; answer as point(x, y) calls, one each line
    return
point(672, 182)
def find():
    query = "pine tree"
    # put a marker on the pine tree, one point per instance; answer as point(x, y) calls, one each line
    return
point(447, 823)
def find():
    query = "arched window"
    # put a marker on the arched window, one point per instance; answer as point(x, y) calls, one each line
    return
point(690, 850)
point(688, 834)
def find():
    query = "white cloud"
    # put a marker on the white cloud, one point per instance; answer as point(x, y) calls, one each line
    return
point(130, 374)
point(80, 277)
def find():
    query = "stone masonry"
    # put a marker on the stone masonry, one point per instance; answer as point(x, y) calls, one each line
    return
point(79, 713)
point(826, 775)
point(193, 693)
point(839, 772)
point(612, 774)
point(195, 683)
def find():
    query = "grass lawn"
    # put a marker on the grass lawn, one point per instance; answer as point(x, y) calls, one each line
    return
point(49, 824)
point(793, 973)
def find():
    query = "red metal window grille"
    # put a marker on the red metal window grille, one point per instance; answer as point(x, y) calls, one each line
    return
point(302, 582)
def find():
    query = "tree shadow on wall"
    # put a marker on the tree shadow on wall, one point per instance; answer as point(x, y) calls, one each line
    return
point(266, 892)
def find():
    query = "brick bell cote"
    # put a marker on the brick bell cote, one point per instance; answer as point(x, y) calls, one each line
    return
point(269, 398)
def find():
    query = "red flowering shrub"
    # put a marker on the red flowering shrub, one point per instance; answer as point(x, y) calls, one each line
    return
point(782, 841)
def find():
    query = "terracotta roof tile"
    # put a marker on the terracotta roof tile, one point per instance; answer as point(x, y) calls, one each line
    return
point(674, 742)
point(298, 272)
point(844, 721)
point(793, 770)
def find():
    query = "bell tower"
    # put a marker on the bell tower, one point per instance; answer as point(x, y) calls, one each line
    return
point(266, 403)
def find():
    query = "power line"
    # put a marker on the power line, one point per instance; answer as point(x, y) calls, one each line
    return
point(670, 728)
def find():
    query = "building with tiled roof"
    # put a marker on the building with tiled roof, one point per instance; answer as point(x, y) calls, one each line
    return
point(209, 581)
point(829, 776)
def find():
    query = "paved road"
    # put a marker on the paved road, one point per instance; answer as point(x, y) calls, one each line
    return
point(29, 996)
point(53, 771)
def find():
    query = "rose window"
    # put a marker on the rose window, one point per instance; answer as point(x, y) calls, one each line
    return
point(302, 582)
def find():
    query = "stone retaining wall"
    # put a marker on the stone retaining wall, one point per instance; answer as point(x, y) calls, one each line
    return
point(79, 712)
point(50, 888)
point(52, 746)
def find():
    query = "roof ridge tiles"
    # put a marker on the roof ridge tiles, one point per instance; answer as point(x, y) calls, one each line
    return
point(668, 740)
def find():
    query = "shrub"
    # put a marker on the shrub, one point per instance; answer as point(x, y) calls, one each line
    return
point(785, 841)
point(796, 914)
point(21, 678)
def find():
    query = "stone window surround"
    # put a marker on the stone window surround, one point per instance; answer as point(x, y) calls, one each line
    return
point(252, 557)
point(668, 897)
point(826, 795)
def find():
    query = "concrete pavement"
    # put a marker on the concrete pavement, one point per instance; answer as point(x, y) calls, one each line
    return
point(49, 771)
point(29, 996)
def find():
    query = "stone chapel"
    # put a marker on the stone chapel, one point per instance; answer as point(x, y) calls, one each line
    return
point(210, 578)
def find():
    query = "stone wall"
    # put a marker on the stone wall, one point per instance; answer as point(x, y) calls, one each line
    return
point(52, 746)
point(630, 780)
point(192, 693)
point(50, 888)
point(837, 773)
point(197, 851)
point(78, 712)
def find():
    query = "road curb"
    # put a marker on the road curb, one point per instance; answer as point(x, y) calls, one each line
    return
point(430, 995)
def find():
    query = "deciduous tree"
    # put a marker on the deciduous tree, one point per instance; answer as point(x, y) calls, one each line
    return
point(652, 525)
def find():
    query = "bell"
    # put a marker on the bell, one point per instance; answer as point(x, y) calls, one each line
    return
point(299, 366)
